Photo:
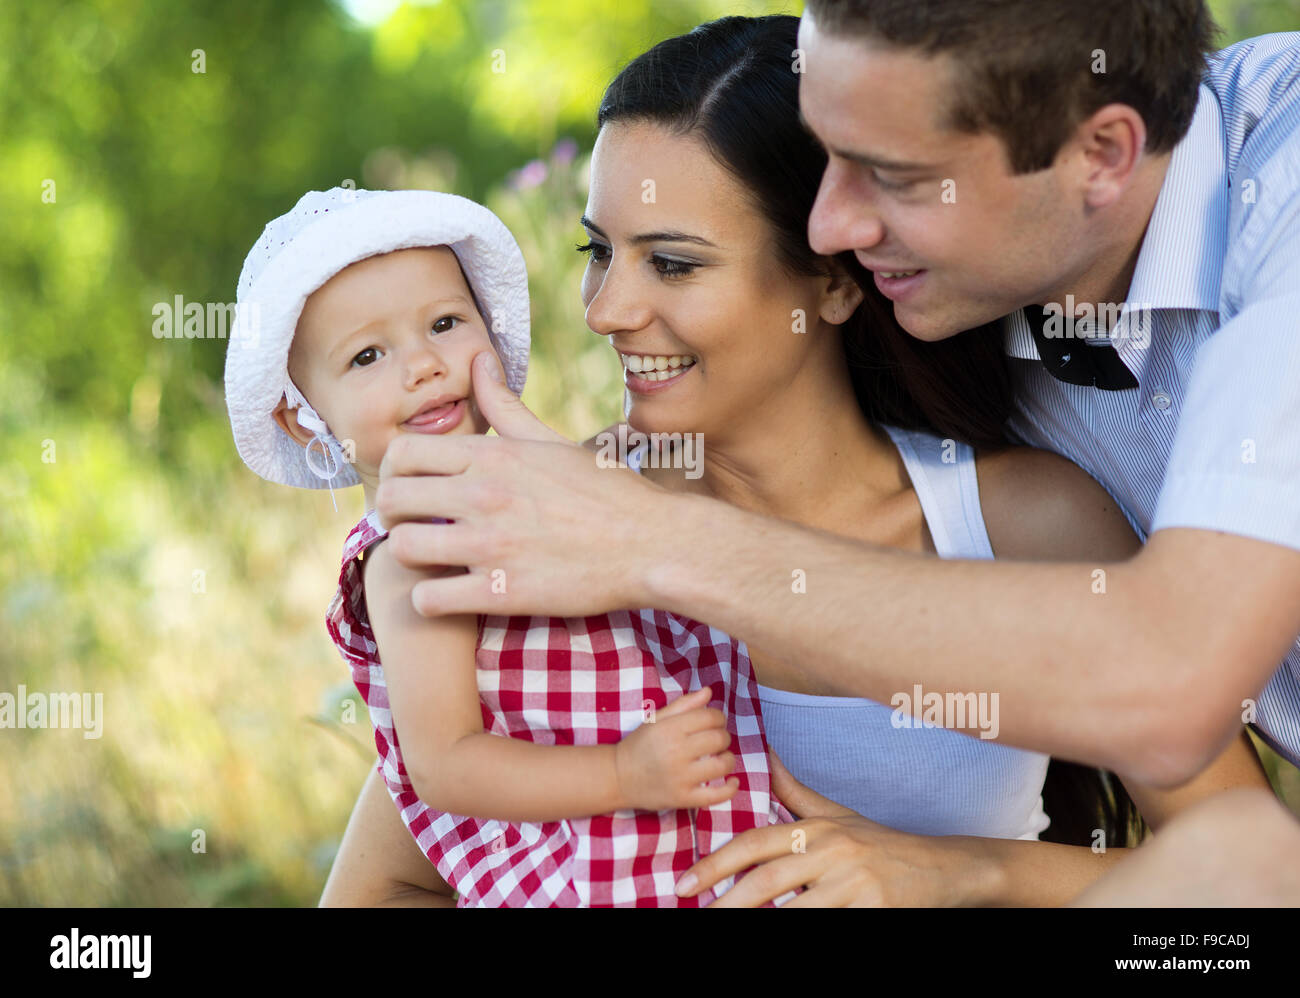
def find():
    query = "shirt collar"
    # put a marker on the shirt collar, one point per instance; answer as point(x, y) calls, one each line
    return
point(1180, 264)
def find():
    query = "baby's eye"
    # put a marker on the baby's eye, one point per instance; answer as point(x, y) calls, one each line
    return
point(366, 357)
point(441, 326)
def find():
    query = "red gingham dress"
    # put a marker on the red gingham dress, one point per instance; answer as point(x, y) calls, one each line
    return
point(575, 681)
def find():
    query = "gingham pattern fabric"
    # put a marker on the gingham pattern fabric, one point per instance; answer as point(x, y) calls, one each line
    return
point(577, 681)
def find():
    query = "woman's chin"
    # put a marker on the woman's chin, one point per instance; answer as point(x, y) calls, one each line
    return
point(639, 422)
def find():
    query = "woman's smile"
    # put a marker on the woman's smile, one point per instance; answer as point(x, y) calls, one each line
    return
point(646, 373)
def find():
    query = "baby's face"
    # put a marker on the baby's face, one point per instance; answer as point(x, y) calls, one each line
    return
point(384, 348)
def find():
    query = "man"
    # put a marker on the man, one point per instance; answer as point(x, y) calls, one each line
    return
point(1057, 163)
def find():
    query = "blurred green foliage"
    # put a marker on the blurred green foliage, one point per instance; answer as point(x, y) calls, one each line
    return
point(138, 557)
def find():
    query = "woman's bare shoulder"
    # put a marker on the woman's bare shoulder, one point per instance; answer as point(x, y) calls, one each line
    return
point(1039, 506)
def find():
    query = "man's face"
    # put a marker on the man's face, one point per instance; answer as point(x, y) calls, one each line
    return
point(905, 193)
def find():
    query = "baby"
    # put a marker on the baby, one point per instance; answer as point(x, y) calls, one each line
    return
point(366, 309)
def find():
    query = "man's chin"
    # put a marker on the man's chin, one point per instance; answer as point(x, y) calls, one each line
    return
point(935, 324)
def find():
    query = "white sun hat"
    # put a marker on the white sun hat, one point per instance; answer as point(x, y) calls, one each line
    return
point(301, 250)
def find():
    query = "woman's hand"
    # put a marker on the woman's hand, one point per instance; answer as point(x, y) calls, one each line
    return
point(842, 858)
point(664, 763)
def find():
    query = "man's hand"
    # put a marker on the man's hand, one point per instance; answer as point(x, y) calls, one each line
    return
point(847, 861)
point(540, 526)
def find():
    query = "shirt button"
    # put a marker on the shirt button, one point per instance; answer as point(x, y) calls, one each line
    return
point(1161, 401)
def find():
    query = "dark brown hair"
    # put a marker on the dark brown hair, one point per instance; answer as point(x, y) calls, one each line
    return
point(1029, 71)
point(731, 82)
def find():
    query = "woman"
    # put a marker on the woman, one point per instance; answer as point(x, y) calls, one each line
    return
point(815, 407)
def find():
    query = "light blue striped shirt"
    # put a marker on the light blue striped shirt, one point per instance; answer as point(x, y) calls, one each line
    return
point(1210, 438)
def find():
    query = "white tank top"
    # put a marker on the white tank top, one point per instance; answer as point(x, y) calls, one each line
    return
point(921, 778)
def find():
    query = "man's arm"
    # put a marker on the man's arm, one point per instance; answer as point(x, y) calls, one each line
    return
point(597, 440)
point(1191, 864)
point(1036, 506)
point(1145, 678)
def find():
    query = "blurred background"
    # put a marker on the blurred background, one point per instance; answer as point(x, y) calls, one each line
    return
point(143, 146)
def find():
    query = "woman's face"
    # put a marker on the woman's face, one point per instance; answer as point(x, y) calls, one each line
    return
point(683, 275)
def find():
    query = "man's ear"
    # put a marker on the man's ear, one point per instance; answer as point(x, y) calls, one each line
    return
point(1111, 142)
point(288, 420)
point(840, 295)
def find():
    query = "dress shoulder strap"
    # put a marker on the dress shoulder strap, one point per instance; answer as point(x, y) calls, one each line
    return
point(943, 473)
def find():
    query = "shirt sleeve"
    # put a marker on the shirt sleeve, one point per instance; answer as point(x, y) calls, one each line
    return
point(1235, 463)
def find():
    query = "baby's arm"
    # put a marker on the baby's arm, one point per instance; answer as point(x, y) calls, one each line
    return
point(456, 766)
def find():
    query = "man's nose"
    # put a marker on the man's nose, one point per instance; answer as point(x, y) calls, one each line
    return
point(621, 303)
point(844, 216)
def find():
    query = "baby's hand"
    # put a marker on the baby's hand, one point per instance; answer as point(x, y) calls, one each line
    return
point(662, 764)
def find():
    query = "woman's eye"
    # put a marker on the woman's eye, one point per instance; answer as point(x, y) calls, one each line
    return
point(598, 252)
point(366, 357)
point(445, 324)
point(666, 266)
point(673, 268)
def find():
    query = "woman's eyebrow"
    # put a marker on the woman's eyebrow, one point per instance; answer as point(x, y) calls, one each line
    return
point(667, 236)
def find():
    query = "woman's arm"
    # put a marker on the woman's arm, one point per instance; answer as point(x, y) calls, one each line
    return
point(378, 864)
point(846, 860)
point(456, 766)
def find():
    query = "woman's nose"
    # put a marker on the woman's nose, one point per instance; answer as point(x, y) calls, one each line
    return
point(621, 304)
point(844, 216)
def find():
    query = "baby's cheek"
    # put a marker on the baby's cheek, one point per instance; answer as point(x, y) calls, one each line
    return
point(370, 457)
point(353, 454)
point(367, 443)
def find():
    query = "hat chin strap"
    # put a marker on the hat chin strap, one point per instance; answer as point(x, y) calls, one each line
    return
point(308, 419)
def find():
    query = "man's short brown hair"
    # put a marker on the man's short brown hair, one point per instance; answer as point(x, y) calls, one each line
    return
point(1030, 71)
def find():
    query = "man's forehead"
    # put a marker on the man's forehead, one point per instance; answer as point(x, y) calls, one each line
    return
point(882, 102)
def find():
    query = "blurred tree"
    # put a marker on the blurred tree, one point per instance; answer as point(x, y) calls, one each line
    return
point(144, 145)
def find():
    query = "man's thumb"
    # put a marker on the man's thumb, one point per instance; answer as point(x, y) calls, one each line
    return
point(502, 408)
